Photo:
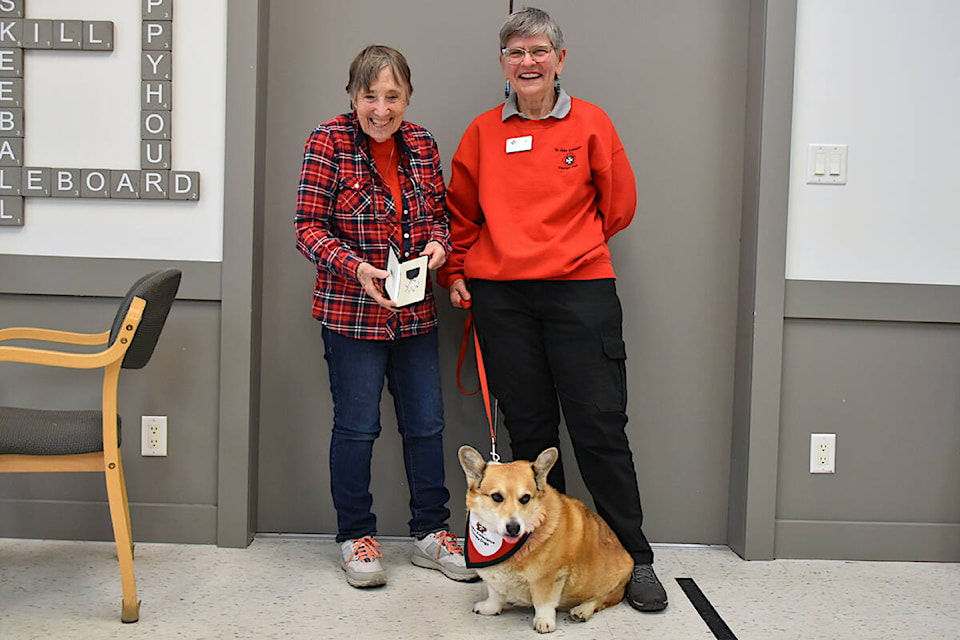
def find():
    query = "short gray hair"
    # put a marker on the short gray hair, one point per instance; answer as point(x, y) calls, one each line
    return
point(370, 62)
point(529, 22)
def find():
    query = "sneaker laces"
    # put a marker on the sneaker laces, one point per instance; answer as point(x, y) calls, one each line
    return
point(448, 542)
point(365, 549)
point(644, 574)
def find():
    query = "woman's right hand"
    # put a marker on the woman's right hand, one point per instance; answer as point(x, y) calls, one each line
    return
point(370, 279)
point(459, 294)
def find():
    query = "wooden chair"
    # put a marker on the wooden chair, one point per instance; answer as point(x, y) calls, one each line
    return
point(35, 440)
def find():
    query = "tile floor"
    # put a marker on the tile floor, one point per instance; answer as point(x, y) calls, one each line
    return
point(292, 588)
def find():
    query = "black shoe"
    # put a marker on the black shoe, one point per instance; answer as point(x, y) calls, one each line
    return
point(644, 591)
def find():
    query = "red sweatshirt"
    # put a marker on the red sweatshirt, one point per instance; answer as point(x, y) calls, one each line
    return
point(540, 214)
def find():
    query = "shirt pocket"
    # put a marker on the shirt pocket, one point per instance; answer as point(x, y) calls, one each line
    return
point(430, 200)
point(355, 200)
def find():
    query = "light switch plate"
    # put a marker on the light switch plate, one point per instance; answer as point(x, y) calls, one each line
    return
point(827, 164)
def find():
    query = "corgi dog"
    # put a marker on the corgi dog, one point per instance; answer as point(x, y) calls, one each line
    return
point(568, 559)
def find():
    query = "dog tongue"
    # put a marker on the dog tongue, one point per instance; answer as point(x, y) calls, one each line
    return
point(511, 539)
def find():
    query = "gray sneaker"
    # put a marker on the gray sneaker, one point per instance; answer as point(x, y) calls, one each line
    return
point(644, 591)
point(361, 562)
point(442, 551)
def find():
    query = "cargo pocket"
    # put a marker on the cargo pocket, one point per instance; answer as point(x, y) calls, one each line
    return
point(613, 394)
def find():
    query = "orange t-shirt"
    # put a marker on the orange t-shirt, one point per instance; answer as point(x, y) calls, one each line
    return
point(387, 158)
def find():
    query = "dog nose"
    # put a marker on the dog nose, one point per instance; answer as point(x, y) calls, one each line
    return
point(513, 529)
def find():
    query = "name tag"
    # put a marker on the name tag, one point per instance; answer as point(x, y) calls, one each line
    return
point(523, 143)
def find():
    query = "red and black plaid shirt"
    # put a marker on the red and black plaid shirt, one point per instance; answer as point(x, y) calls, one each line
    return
point(346, 215)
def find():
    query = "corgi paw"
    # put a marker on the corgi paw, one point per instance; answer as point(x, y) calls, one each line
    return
point(545, 625)
point(582, 612)
point(487, 608)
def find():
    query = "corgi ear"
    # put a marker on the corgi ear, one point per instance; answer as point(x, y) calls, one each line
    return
point(543, 464)
point(472, 463)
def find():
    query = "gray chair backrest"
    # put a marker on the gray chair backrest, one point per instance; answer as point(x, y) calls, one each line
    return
point(159, 289)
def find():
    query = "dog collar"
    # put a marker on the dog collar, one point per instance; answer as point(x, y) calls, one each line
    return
point(486, 547)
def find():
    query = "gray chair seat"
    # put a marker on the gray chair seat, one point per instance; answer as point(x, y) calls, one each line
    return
point(47, 432)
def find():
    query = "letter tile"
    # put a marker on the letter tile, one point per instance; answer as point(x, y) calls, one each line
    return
point(11, 211)
point(95, 183)
point(125, 183)
point(11, 63)
point(153, 184)
point(154, 125)
point(157, 9)
point(68, 34)
point(156, 65)
point(155, 95)
point(11, 152)
point(11, 93)
point(11, 181)
point(184, 185)
point(11, 123)
point(35, 181)
point(38, 34)
point(11, 33)
point(154, 154)
point(65, 183)
point(97, 35)
point(11, 8)
point(156, 36)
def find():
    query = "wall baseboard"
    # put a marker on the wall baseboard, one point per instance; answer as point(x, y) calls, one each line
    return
point(896, 541)
point(70, 520)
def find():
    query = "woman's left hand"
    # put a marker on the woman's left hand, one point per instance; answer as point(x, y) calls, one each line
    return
point(437, 255)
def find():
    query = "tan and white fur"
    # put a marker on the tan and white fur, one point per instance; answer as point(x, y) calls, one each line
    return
point(571, 561)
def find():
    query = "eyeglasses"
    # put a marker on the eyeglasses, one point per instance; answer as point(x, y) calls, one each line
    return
point(515, 55)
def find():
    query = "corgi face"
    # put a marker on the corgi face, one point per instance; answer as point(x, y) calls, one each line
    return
point(506, 498)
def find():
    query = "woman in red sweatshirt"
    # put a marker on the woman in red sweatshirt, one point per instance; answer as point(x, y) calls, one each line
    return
point(538, 187)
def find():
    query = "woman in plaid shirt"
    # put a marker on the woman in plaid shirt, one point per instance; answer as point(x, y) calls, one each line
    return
point(371, 182)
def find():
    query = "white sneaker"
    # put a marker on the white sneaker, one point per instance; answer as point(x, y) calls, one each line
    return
point(361, 562)
point(442, 551)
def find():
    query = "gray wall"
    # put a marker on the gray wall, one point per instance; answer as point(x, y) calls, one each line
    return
point(874, 363)
point(172, 498)
point(673, 79)
point(879, 365)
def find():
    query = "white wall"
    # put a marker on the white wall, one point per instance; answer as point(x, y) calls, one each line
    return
point(82, 110)
point(882, 77)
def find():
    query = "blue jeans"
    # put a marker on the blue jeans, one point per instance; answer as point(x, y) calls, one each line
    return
point(357, 370)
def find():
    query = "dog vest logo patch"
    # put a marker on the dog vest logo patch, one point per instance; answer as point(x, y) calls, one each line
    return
point(486, 547)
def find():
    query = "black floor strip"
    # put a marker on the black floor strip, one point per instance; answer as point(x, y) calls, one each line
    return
point(706, 610)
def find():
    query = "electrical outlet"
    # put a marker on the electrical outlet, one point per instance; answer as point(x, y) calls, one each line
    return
point(153, 437)
point(823, 452)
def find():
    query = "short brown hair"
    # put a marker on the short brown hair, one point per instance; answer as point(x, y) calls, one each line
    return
point(370, 62)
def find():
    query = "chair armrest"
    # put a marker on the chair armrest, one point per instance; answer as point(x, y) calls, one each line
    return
point(73, 360)
point(66, 359)
point(53, 335)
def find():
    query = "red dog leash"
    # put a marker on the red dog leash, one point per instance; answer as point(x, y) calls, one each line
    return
point(483, 547)
point(468, 327)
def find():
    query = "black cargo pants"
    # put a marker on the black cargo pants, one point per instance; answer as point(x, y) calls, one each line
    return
point(552, 346)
